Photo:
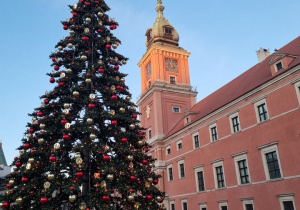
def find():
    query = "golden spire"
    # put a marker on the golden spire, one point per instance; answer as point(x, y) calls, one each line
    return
point(160, 8)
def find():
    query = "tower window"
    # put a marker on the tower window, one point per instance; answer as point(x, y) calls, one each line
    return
point(148, 36)
point(176, 109)
point(279, 66)
point(172, 80)
point(168, 31)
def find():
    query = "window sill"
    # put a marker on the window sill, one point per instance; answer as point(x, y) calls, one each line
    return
point(275, 180)
point(180, 178)
point(263, 121)
point(244, 185)
point(224, 188)
point(236, 132)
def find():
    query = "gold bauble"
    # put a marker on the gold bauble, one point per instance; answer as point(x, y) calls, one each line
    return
point(31, 160)
point(132, 108)
point(151, 165)
point(60, 48)
point(124, 62)
point(15, 168)
point(128, 98)
point(51, 177)
point(150, 179)
point(42, 126)
point(75, 93)
point(77, 155)
point(86, 30)
point(41, 141)
point(131, 127)
point(88, 20)
point(11, 182)
point(88, 81)
point(92, 136)
point(72, 198)
point(47, 185)
point(122, 80)
point(140, 143)
point(29, 135)
point(69, 71)
point(67, 126)
point(75, 6)
point(110, 177)
point(147, 184)
point(71, 33)
point(66, 105)
point(19, 201)
point(100, 14)
point(56, 146)
point(115, 46)
point(83, 58)
point(130, 198)
point(89, 121)
point(113, 87)
point(112, 112)
point(129, 157)
point(79, 160)
point(131, 165)
point(137, 205)
point(92, 96)
point(21, 152)
point(122, 110)
point(159, 198)
point(70, 45)
point(82, 206)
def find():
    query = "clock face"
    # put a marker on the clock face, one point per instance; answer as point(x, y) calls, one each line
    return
point(171, 65)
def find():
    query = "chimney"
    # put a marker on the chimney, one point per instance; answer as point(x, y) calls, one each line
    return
point(262, 54)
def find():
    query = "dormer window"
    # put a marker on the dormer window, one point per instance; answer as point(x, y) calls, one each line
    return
point(168, 31)
point(279, 66)
point(148, 36)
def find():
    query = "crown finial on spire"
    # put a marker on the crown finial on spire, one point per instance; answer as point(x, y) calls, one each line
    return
point(160, 8)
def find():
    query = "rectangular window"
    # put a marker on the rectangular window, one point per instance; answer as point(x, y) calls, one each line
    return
point(176, 109)
point(273, 165)
point(168, 150)
point(249, 206)
point(223, 207)
point(200, 181)
point(179, 145)
point(262, 112)
point(172, 80)
point(196, 141)
point(203, 208)
point(184, 206)
point(168, 31)
point(214, 134)
point(182, 173)
point(279, 66)
point(287, 202)
point(220, 177)
point(172, 206)
point(235, 124)
point(170, 170)
point(150, 134)
point(243, 170)
point(288, 205)
point(297, 88)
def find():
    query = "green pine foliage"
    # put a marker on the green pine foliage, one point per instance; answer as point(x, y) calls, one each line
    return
point(84, 148)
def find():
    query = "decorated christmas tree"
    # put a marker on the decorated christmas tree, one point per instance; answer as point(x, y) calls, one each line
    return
point(84, 148)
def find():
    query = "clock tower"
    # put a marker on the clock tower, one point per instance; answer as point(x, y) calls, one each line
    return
point(166, 89)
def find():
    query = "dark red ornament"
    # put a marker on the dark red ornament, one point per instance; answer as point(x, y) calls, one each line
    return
point(75, 14)
point(72, 188)
point(124, 140)
point(56, 68)
point(114, 122)
point(52, 80)
point(65, 27)
point(8, 186)
point(52, 159)
point(144, 162)
point(91, 106)
point(40, 114)
point(114, 97)
point(44, 200)
point(26, 146)
point(79, 175)
point(108, 46)
point(63, 122)
point(105, 198)
point(101, 70)
point(66, 137)
point(85, 38)
point(46, 101)
point(117, 67)
point(31, 130)
point(106, 158)
point(18, 164)
point(148, 197)
point(132, 178)
point(155, 181)
point(53, 59)
point(134, 116)
point(25, 180)
point(96, 2)
point(88, 4)
point(61, 84)
point(5, 205)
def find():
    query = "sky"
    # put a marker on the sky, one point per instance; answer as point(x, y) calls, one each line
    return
point(221, 35)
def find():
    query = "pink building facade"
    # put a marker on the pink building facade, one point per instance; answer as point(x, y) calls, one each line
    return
point(238, 148)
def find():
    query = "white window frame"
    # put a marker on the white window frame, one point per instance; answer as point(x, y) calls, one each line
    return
point(172, 202)
point(231, 124)
point(168, 147)
point(199, 169)
point(170, 166)
point(297, 88)
point(176, 107)
point(275, 66)
point(216, 164)
point(210, 133)
point(193, 139)
point(237, 158)
point(256, 105)
point(175, 79)
point(283, 198)
point(248, 201)
point(223, 203)
point(203, 205)
point(177, 145)
point(179, 172)
point(267, 149)
point(184, 201)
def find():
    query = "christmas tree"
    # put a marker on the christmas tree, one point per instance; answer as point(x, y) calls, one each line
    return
point(84, 148)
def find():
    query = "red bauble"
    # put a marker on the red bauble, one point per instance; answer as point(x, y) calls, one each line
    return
point(114, 122)
point(96, 2)
point(46, 101)
point(5, 205)
point(105, 198)
point(53, 59)
point(63, 122)
point(124, 140)
point(26, 146)
point(75, 14)
point(148, 197)
point(112, 27)
point(144, 162)
point(65, 27)
point(88, 4)
point(106, 158)
point(66, 137)
point(132, 178)
point(15, 158)
point(100, 31)
point(8, 186)
point(72, 188)
point(25, 180)
point(52, 159)
point(134, 116)
point(81, 1)
point(119, 87)
point(108, 46)
point(31, 130)
point(114, 97)
point(91, 106)
point(18, 164)
point(44, 200)
point(85, 38)
point(79, 175)
point(40, 114)
point(56, 68)
point(61, 84)
point(117, 67)
point(52, 80)
point(101, 70)
point(155, 181)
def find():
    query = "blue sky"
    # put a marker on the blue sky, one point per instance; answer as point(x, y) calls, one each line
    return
point(221, 35)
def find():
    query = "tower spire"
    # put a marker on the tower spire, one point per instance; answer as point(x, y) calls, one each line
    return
point(160, 9)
